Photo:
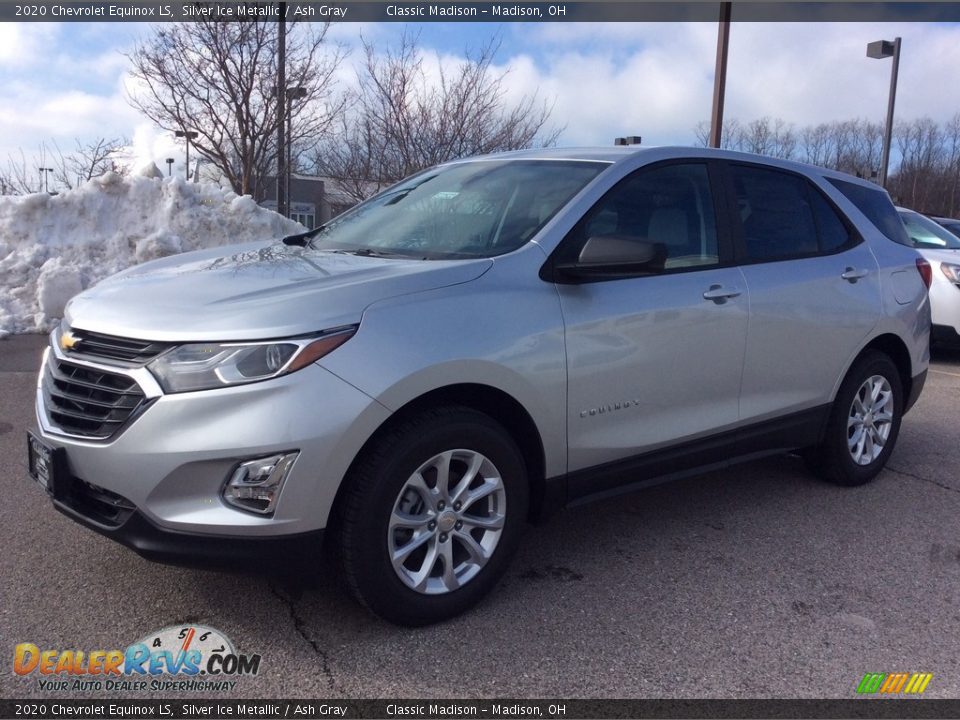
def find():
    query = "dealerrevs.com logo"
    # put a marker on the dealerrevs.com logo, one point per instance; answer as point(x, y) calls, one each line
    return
point(176, 658)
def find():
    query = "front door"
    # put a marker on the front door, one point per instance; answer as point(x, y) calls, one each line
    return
point(654, 358)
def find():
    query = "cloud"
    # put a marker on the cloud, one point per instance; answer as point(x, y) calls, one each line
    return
point(656, 79)
point(603, 80)
point(22, 44)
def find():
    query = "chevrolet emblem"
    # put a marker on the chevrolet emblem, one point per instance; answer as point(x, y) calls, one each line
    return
point(68, 341)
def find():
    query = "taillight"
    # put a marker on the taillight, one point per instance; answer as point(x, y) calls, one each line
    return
point(923, 267)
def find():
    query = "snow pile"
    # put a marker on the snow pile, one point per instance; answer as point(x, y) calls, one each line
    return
point(52, 247)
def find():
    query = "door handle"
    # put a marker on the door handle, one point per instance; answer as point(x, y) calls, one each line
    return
point(720, 294)
point(852, 275)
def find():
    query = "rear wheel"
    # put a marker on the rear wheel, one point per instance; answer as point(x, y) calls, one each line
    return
point(864, 423)
point(433, 511)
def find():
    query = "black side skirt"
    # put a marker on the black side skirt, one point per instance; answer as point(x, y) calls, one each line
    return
point(771, 437)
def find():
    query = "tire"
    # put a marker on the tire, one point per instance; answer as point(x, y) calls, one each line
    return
point(843, 458)
point(395, 505)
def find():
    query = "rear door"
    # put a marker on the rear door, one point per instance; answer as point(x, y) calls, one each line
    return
point(814, 290)
point(654, 358)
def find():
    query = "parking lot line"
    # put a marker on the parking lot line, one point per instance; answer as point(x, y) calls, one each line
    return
point(944, 372)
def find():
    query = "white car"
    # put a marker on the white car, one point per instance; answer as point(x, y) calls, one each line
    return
point(942, 249)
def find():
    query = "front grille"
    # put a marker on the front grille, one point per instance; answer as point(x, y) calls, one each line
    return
point(116, 348)
point(88, 402)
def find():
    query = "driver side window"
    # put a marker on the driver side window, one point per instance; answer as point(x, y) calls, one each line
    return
point(669, 206)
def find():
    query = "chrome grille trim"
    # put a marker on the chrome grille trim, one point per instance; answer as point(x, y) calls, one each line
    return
point(86, 402)
point(110, 347)
point(94, 401)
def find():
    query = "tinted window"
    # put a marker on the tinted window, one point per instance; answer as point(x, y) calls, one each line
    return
point(876, 205)
point(775, 213)
point(832, 230)
point(925, 233)
point(952, 225)
point(670, 205)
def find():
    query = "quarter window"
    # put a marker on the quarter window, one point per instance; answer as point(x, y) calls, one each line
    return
point(876, 205)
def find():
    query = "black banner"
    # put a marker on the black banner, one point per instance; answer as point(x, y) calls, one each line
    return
point(446, 11)
point(449, 709)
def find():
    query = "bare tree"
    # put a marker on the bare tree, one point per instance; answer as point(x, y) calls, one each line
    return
point(768, 136)
point(765, 136)
point(19, 176)
point(219, 80)
point(925, 172)
point(402, 120)
point(91, 159)
point(921, 147)
point(951, 130)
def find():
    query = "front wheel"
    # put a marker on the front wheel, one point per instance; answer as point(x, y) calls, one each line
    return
point(432, 513)
point(864, 423)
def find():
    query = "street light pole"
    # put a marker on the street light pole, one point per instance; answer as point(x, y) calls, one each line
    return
point(878, 50)
point(189, 135)
point(44, 179)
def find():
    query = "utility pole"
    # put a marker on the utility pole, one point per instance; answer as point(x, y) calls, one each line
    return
point(720, 75)
point(281, 111)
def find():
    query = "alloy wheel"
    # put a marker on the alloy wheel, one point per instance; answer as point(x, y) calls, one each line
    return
point(446, 521)
point(870, 420)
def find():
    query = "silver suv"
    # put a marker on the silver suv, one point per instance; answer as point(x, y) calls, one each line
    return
point(484, 343)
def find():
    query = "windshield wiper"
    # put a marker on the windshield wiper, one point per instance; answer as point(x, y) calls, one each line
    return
point(367, 252)
point(302, 239)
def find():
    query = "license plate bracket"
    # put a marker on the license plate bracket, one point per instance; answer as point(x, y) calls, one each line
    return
point(47, 464)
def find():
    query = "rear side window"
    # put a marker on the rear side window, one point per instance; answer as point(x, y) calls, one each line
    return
point(775, 213)
point(876, 205)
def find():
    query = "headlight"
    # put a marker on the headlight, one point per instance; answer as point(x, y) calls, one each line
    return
point(202, 366)
point(951, 271)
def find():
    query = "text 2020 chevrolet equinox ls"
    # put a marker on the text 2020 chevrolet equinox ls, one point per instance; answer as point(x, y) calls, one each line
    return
point(485, 342)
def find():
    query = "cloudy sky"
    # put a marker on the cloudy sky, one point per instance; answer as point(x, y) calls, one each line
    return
point(59, 82)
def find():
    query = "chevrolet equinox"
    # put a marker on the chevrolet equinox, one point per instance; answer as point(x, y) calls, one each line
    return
point(484, 343)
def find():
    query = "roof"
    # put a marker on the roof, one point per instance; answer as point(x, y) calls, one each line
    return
point(598, 154)
point(615, 153)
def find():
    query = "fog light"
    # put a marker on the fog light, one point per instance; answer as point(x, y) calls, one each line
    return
point(255, 485)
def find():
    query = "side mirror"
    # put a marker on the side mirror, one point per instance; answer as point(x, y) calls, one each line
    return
point(607, 257)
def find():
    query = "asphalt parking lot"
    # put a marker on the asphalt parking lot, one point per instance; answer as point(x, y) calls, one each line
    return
point(758, 581)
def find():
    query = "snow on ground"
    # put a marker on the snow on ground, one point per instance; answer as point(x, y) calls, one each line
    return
point(52, 247)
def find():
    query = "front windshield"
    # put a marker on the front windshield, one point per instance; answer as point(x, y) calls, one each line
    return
point(925, 233)
point(473, 209)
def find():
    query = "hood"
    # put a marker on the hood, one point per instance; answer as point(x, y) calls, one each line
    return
point(254, 291)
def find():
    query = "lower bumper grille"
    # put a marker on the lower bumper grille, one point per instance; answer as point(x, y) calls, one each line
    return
point(88, 402)
point(98, 504)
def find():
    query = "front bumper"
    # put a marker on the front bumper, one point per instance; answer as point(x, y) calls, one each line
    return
point(159, 544)
point(168, 466)
point(946, 334)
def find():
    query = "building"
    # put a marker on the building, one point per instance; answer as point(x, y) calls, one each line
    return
point(313, 199)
